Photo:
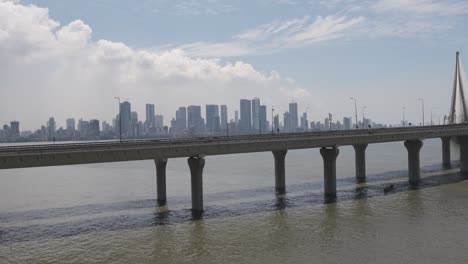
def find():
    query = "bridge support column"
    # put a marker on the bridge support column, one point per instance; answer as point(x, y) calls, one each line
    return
point(413, 147)
point(161, 180)
point(196, 165)
point(329, 156)
point(446, 160)
point(360, 153)
point(280, 171)
point(463, 141)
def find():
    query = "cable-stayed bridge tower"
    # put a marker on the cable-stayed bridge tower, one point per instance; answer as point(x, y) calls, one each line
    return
point(458, 108)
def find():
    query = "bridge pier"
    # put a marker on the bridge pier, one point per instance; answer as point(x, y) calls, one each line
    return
point(329, 156)
point(196, 165)
point(446, 159)
point(413, 147)
point(280, 171)
point(161, 180)
point(360, 153)
point(463, 142)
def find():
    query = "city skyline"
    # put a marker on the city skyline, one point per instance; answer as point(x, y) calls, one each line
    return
point(74, 64)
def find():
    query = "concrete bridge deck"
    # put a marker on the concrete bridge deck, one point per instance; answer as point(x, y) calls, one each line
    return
point(24, 156)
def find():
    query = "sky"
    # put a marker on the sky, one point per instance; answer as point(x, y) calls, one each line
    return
point(71, 58)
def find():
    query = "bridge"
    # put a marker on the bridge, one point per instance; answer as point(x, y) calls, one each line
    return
point(195, 149)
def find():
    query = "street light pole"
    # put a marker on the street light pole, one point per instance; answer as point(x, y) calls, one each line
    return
point(120, 120)
point(272, 121)
point(422, 105)
point(355, 111)
point(363, 118)
point(404, 122)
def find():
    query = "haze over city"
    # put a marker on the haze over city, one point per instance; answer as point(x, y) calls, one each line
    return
point(71, 60)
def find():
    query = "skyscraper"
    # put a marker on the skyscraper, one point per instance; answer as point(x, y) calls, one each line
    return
point(194, 119)
point(293, 117)
point(51, 128)
point(212, 117)
point(14, 129)
point(236, 116)
point(256, 114)
point(149, 116)
point(70, 124)
point(181, 120)
point(126, 117)
point(287, 122)
point(263, 119)
point(347, 123)
point(94, 128)
point(224, 117)
point(245, 116)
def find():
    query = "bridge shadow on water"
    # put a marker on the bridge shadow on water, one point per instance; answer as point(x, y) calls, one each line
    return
point(86, 219)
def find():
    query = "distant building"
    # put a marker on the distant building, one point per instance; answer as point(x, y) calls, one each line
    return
point(256, 114)
point(180, 122)
point(194, 120)
point(304, 122)
point(287, 122)
point(293, 117)
point(276, 125)
point(245, 122)
point(212, 117)
point(150, 116)
point(263, 125)
point(83, 127)
point(14, 130)
point(70, 124)
point(94, 128)
point(224, 117)
point(51, 128)
point(236, 117)
point(347, 123)
point(159, 121)
point(126, 117)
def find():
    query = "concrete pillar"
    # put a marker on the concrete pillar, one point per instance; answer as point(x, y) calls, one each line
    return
point(360, 153)
point(463, 142)
point(280, 170)
point(196, 165)
point(329, 156)
point(446, 160)
point(161, 180)
point(413, 147)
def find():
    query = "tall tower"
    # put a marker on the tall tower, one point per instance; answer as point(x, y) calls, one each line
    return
point(458, 110)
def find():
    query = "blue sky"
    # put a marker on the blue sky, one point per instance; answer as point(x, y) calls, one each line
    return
point(386, 53)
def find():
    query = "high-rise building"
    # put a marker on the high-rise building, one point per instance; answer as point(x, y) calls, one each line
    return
point(347, 123)
point(293, 117)
point(287, 122)
point(149, 116)
point(194, 119)
point(276, 123)
point(70, 124)
point(181, 120)
point(245, 122)
point(304, 122)
point(51, 128)
point(224, 117)
point(263, 119)
point(83, 127)
point(256, 114)
point(126, 117)
point(327, 124)
point(94, 128)
point(14, 129)
point(236, 117)
point(212, 117)
point(159, 121)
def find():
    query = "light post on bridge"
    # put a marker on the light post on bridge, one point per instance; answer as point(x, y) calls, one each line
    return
point(120, 119)
point(404, 121)
point(355, 111)
point(363, 118)
point(422, 106)
point(272, 121)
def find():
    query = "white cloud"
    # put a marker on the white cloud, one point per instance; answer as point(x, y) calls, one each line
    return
point(434, 7)
point(48, 69)
point(278, 35)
